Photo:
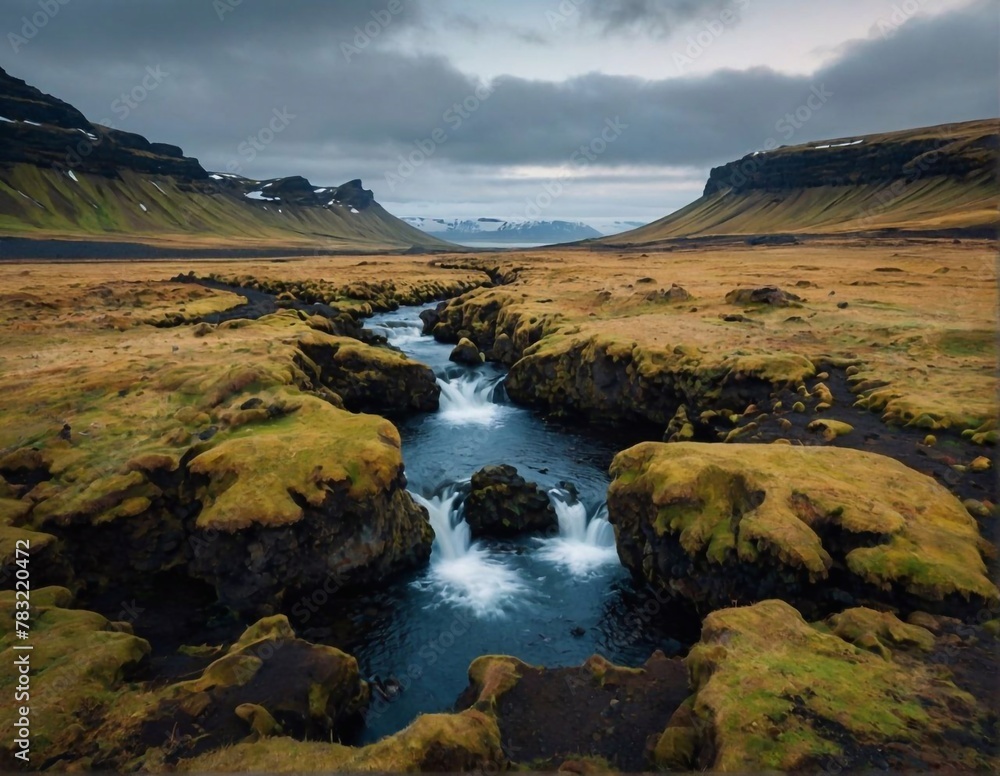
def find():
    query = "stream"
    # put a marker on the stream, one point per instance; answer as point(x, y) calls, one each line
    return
point(548, 600)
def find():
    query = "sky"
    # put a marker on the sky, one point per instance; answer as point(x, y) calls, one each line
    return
point(552, 109)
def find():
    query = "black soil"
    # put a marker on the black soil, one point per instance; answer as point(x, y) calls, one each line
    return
point(558, 714)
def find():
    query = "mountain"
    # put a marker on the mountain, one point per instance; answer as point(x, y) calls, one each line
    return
point(933, 180)
point(64, 177)
point(496, 230)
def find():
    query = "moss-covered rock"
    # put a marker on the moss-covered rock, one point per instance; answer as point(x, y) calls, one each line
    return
point(226, 458)
point(612, 380)
point(78, 664)
point(433, 743)
point(772, 692)
point(830, 430)
point(502, 504)
point(814, 525)
point(371, 379)
point(770, 296)
point(268, 683)
point(466, 352)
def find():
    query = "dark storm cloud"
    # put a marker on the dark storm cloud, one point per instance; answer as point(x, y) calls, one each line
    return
point(659, 18)
point(121, 30)
point(357, 103)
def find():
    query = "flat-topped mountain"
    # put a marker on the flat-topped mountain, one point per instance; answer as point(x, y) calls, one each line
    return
point(65, 177)
point(932, 179)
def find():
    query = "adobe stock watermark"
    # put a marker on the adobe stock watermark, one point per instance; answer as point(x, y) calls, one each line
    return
point(426, 147)
point(901, 14)
point(225, 7)
point(122, 106)
point(567, 10)
point(584, 156)
point(32, 25)
point(787, 126)
point(257, 143)
point(711, 30)
point(364, 35)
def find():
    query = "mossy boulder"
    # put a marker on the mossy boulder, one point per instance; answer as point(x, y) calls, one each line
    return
point(79, 663)
point(227, 459)
point(503, 504)
point(370, 379)
point(817, 526)
point(830, 430)
point(775, 693)
point(343, 492)
point(466, 353)
point(433, 743)
point(268, 683)
point(771, 296)
point(49, 565)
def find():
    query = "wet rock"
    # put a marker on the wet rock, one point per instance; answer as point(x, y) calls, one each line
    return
point(372, 379)
point(502, 504)
point(720, 524)
point(503, 350)
point(431, 318)
point(466, 353)
point(768, 295)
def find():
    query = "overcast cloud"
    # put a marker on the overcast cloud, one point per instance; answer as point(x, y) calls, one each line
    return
point(464, 109)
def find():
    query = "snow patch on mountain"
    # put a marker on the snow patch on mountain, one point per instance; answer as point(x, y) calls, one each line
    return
point(520, 230)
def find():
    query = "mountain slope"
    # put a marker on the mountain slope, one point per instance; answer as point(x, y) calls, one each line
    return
point(63, 177)
point(931, 179)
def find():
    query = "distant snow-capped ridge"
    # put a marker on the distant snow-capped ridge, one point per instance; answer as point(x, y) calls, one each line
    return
point(516, 230)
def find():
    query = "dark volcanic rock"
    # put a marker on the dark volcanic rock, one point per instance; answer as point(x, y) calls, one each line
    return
point(673, 294)
point(47, 132)
point(503, 504)
point(769, 295)
point(873, 160)
point(466, 353)
point(773, 239)
point(504, 351)
point(269, 683)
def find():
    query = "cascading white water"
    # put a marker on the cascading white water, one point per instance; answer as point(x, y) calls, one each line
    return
point(452, 537)
point(468, 398)
point(585, 542)
point(466, 573)
point(400, 333)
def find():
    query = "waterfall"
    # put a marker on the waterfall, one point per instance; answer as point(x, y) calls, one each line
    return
point(400, 333)
point(463, 572)
point(468, 398)
point(586, 540)
point(452, 536)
